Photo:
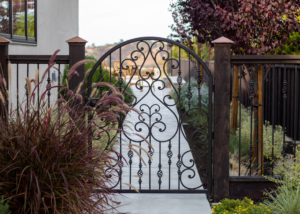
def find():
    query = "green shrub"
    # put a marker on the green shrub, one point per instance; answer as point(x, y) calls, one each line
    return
point(244, 206)
point(200, 115)
point(4, 207)
point(286, 198)
point(292, 46)
point(245, 137)
point(106, 78)
point(290, 170)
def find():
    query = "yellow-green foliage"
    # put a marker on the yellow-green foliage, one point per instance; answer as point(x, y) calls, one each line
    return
point(286, 198)
point(290, 170)
point(245, 137)
point(245, 206)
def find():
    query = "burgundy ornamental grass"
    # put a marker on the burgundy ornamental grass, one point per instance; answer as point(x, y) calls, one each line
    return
point(46, 162)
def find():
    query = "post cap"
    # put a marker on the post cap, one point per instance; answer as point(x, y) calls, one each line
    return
point(223, 40)
point(4, 41)
point(76, 39)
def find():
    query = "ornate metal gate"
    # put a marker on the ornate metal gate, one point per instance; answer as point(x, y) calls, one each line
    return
point(158, 95)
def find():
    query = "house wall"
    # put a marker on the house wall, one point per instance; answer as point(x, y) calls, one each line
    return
point(57, 21)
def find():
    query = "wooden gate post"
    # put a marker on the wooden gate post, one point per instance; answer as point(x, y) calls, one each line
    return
point(221, 118)
point(4, 74)
point(77, 53)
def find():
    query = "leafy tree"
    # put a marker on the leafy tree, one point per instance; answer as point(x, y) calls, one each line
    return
point(292, 47)
point(4, 19)
point(256, 27)
point(19, 25)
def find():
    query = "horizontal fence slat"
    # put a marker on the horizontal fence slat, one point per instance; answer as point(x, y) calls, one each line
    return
point(41, 59)
point(265, 59)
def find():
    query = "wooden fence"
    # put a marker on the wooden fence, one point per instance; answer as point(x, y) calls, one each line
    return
point(292, 128)
point(223, 185)
point(23, 64)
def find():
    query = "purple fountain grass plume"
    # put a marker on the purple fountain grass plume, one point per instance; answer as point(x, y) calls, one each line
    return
point(53, 57)
point(76, 65)
point(79, 97)
point(61, 100)
point(73, 73)
point(113, 88)
point(46, 162)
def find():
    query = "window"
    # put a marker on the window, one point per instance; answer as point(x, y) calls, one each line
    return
point(18, 20)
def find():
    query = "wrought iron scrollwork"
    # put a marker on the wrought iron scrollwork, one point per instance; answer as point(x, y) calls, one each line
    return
point(150, 124)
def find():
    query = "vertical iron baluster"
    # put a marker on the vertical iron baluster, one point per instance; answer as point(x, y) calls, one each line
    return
point(140, 171)
point(240, 108)
point(120, 72)
point(179, 80)
point(199, 80)
point(171, 60)
point(296, 108)
point(100, 80)
point(273, 114)
point(109, 91)
point(130, 155)
point(269, 93)
point(169, 154)
point(110, 70)
point(18, 87)
point(284, 90)
point(49, 86)
point(120, 156)
point(58, 95)
point(150, 151)
point(210, 129)
point(189, 94)
point(251, 89)
point(58, 82)
point(290, 103)
point(262, 118)
point(278, 114)
point(27, 73)
point(120, 123)
point(38, 89)
point(159, 173)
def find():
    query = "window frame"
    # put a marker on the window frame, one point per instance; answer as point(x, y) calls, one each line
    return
point(22, 39)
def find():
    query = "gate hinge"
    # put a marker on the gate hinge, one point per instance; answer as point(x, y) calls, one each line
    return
point(213, 88)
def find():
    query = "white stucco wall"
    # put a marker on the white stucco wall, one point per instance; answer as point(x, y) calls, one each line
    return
point(57, 21)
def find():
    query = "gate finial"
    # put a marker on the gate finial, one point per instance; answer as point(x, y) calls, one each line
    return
point(76, 39)
point(223, 40)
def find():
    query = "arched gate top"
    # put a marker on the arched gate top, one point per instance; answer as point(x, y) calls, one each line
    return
point(139, 39)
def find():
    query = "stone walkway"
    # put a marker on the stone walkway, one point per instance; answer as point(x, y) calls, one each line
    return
point(164, 135)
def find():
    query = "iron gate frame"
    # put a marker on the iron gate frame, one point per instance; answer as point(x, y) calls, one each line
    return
point(209, 139)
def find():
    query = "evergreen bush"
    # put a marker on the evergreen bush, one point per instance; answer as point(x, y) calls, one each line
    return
point(95, 79)
point(245, 137)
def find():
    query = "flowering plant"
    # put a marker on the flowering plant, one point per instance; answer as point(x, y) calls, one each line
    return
point(244, 206)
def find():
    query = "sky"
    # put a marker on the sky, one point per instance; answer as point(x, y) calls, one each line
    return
point(108, 21)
